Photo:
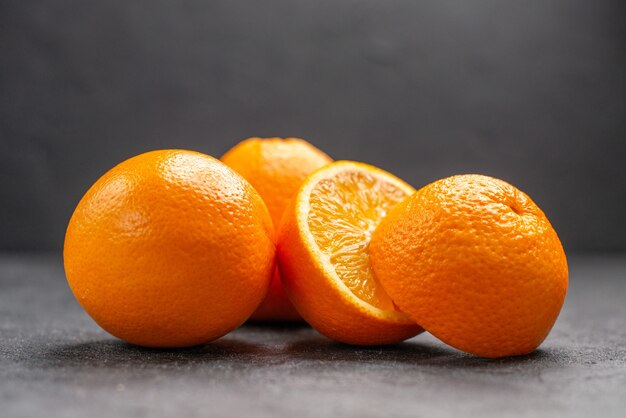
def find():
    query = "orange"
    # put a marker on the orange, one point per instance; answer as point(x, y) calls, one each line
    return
point(475, 262)
point(170, 249)
point(323, 254)
point(276, 168)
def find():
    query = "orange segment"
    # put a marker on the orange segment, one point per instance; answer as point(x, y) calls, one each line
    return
point(323, 254)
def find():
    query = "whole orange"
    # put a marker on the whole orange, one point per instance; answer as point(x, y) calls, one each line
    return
point(276, 168)
point(170, 249)
point(475, 262)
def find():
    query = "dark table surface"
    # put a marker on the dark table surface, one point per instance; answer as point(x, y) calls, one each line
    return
point(55, 361)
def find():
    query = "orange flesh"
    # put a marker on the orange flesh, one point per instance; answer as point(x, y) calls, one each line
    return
point(343, 212)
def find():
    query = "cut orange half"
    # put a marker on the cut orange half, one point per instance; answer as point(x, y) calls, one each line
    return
point(324, 254)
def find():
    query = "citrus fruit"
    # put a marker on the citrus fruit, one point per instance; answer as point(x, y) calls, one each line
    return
point(323, 254)
point(475, 262)
point(170, 248)
point(276, 168)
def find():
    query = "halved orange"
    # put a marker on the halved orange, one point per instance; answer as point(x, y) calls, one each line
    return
point(323, 254)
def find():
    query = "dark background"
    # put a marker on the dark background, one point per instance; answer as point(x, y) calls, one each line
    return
point(533, 92)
